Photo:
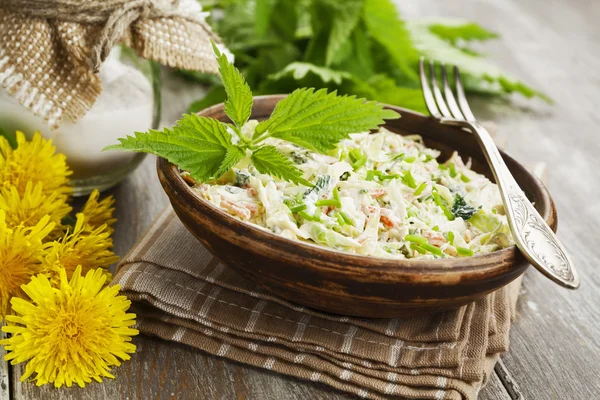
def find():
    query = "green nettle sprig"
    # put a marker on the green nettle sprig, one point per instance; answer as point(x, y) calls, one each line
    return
point(203, 146)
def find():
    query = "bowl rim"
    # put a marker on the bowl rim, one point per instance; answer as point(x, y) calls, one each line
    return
point(346, 259)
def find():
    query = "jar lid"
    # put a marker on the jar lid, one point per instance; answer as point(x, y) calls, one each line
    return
point(50, 50)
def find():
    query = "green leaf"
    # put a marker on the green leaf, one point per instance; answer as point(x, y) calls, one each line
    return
point(318, 120)
point(299, 70)
point(214, 96)
point(196, 144)
point(269, 160)
point(385, 26)
point(238, 105)
point(264, 10)
point(454, 31)
point(461, 209)
point(347, 15)
point(11, 139)
point(233, 156)
point(479, 73)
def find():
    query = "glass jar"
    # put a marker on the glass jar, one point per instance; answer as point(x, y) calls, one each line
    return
point(129, 102)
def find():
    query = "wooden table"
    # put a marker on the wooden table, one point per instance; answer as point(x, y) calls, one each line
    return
point(554, 353)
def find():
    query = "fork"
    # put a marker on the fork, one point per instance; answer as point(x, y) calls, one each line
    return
point(532, 235)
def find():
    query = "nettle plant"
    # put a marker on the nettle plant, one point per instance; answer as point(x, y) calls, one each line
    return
point(313, 119)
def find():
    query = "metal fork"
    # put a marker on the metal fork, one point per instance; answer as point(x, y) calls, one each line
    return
point(532, 235)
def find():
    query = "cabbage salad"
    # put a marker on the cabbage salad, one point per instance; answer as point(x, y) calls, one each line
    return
point(379, 194)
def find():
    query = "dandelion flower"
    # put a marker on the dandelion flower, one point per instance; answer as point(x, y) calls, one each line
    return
point(35, 161)
point(88, 249)
point(29, 208)
point(72, 333)
point(20, 250)
point(97, 213)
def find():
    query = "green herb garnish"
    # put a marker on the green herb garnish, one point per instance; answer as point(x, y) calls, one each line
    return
point(441, 203)
point(460, 208)
point(313, 119)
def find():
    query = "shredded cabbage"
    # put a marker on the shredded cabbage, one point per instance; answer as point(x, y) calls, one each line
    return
point(400, 203)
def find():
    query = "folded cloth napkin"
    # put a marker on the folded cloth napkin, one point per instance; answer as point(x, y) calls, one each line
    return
point(181, 292)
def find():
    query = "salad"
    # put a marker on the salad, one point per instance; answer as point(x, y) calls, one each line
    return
point(378, 194)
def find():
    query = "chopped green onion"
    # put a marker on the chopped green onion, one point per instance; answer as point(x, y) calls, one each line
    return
point(418, 248)
point(355, 155)
point(420, 189)
point(346, 218)
point(340, 219)
point(305, 215)
point(372, 173)
point(359, 163)
point(390, 176)
point(327, 202)
point(428, 158)
point(298, 208)
point(336, 196)
point(432, 249)
point(435, 228)
point(415, 239)
point(409, 180)
point(315, 218)
point(398, 157)
point(442, 204)
point(410, 159)
point(411, 213)
point(453, 172)
point(288, 202)
point(464, 178)
point(442, 167)
point(462, 251)
point(450, 237)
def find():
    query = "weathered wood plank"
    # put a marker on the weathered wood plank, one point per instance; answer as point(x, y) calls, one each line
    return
point(4, 372)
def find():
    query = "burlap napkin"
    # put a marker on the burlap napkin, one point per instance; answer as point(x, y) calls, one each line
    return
point(184, 294)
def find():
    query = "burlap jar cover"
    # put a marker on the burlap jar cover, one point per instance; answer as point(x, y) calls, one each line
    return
point(50, 50)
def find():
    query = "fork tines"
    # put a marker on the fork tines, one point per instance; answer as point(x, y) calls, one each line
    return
point(444, 105)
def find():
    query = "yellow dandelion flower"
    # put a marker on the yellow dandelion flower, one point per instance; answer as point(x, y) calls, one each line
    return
point(97, 213)
point(88, 249)
point(29, 209)
point(20, 249)
point(72, 333)
point(35, 161)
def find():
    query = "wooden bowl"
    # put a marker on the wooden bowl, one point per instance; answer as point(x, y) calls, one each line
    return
point(350, 284)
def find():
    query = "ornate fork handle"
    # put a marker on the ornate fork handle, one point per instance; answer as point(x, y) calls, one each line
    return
point(532, 235)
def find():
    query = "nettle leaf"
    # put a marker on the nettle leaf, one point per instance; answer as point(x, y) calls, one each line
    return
point(196, 144)
point(269, 160)
point(264, 10)
point(479, 73)
point(238, 105)
point(347, 15)
point(319, 121)
point(386, 27)
point(454, 30)
point(232, 157)
point(299, 70)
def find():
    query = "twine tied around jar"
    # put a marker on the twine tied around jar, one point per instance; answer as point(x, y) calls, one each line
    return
point(51, 50)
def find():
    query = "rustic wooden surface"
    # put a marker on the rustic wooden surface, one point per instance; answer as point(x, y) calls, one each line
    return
point(554, 354)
